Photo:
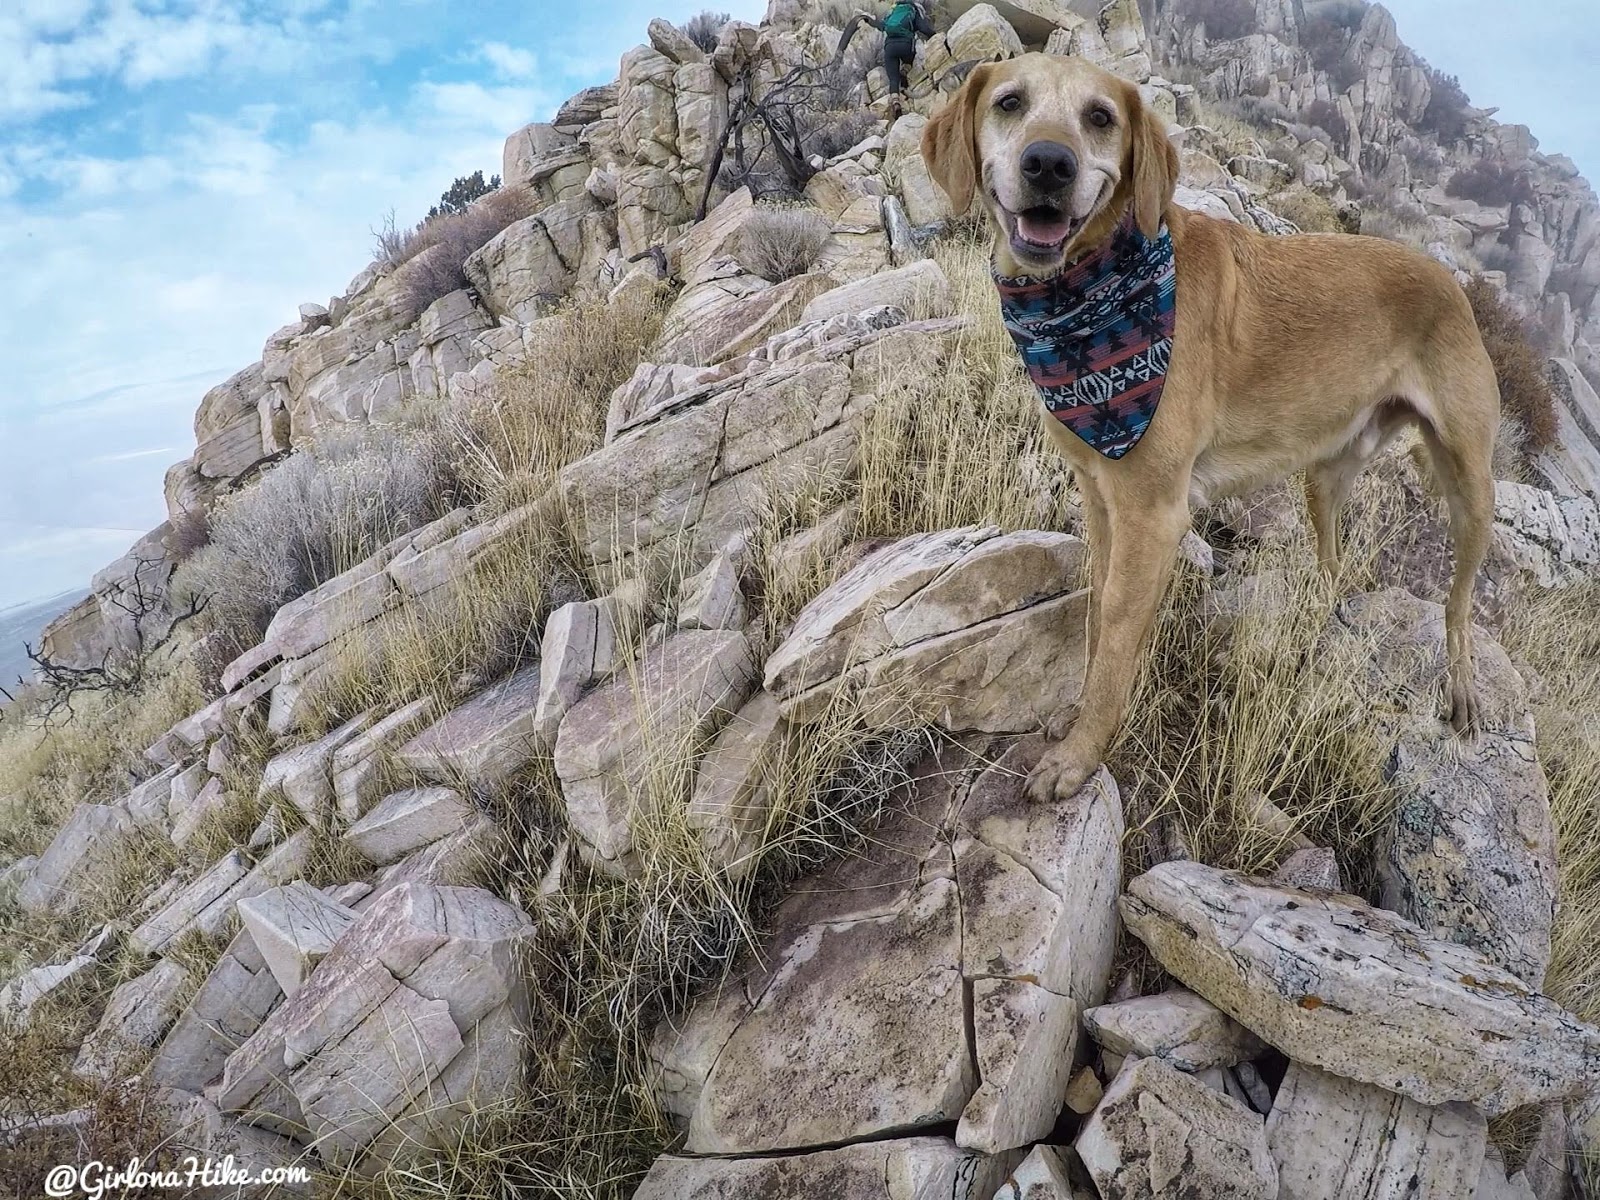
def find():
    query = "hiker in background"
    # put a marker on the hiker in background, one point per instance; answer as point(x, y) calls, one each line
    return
point(906, 21)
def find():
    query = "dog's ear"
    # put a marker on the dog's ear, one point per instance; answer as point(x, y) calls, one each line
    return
point(1155, 165)
point(950, 142)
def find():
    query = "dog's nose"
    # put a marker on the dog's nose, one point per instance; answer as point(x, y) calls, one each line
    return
point(1049, 166)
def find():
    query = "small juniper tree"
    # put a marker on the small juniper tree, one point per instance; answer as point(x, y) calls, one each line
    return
point(462, 193)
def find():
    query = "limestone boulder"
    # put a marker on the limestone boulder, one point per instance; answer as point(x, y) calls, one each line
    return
point(921, 1168)
point(610, 744)
point(1343, 1140)
point(294, 927)
point(227, 1008)
point(1043, 1175)
point(304, 775)
point(484, 741)
point(532, 263)
point(980, 33)
point(903, 166)
point(575, 652)
point(920, 288)
point(19, 996)
point(727, 311)
point(936, 977)
point(358, 765)
point(1161, 1133)
point(647, 116)
point(731, 804)
point(1177, 1026)
point(139, 1012)
point(975, 629)
point(711, 598)
point(83, 851)
point(1360, 992)
point(1555, 539)
point(407, 821)
point(205, 905)
point(1470, 854)
point(651, 207)
point(382, 1019)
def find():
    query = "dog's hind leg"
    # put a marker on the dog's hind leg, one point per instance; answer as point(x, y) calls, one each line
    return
point(1461, 469)
point(1143, 551)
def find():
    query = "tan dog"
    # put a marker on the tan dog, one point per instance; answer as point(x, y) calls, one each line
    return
point(1290, 353)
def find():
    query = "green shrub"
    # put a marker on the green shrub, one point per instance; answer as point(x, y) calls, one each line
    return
point(460, 194)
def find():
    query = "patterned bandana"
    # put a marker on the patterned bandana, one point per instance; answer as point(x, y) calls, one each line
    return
point(1096, 339)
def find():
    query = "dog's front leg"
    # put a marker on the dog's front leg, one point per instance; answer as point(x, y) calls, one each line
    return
point(1139, 565)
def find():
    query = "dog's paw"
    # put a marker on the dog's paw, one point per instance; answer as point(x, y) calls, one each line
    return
point(1060, 772)
point(1466, 714)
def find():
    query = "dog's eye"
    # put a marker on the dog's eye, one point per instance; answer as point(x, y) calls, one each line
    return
point(1009, 103)
point(1099, 117)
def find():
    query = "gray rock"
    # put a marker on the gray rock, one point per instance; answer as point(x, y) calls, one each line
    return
point(731, 803)
point(383, 1018)
point(18, 997)
point(485, 741)
point(229, 1006)
point(304, 775)
point(1161, 1133)
point(137, 1015)
point(407, 821)
point(294, 927)
point(576, 650)
point(1310, 867)
point(937, 977)
point(1041, 1176)
point(969, 627)
point(1335, 1139)
point(1177, 1026)
point(1360, 992)
point(357, 767)
point(653, 712)
point(94, 837)
point(711, 597)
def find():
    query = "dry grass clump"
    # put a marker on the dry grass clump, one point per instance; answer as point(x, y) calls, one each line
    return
point(1554, 633)
point(962, 444)
point(430, 257)
point(318, 513)
point(1311, 211)
point(1525, 395)
point(550, 410)
point(780, 243)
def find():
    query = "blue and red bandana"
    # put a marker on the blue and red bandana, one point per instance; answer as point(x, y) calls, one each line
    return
point(1096, 339)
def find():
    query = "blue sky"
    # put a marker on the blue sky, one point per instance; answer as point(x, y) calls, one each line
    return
point(177, 175)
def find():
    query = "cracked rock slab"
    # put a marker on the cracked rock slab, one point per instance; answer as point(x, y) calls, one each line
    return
point(935, 977)
point(1177, 1027)
point(229, 1006)
point(136, 1016)
point(84, 848)
point(407, 821)
point(656, 711)
point(294, 927)
point(484, 741)
point(1361, 992)
point(1042, 1176)
point(381, 1020)
point(923, 1168)
point(1335, 1139)
point(972, 628)
point(1160, 1133)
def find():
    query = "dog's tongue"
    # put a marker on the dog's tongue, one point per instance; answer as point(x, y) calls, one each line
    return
point(1042, 228)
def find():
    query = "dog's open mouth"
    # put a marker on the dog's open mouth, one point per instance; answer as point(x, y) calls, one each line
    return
point(1041, 231)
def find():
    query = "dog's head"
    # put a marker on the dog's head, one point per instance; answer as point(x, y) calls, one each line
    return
point(1058, 150)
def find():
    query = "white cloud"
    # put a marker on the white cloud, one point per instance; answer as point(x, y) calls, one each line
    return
point(508, 61)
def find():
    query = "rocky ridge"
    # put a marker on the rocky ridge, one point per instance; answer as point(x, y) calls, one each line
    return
point(939, 1015)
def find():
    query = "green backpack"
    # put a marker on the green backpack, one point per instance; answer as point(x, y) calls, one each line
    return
point(901, 21)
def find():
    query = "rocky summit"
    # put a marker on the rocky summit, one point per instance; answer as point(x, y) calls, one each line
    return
point(570, 735)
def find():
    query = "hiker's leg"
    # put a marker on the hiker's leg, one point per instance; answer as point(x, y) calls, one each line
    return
point(897, 51)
